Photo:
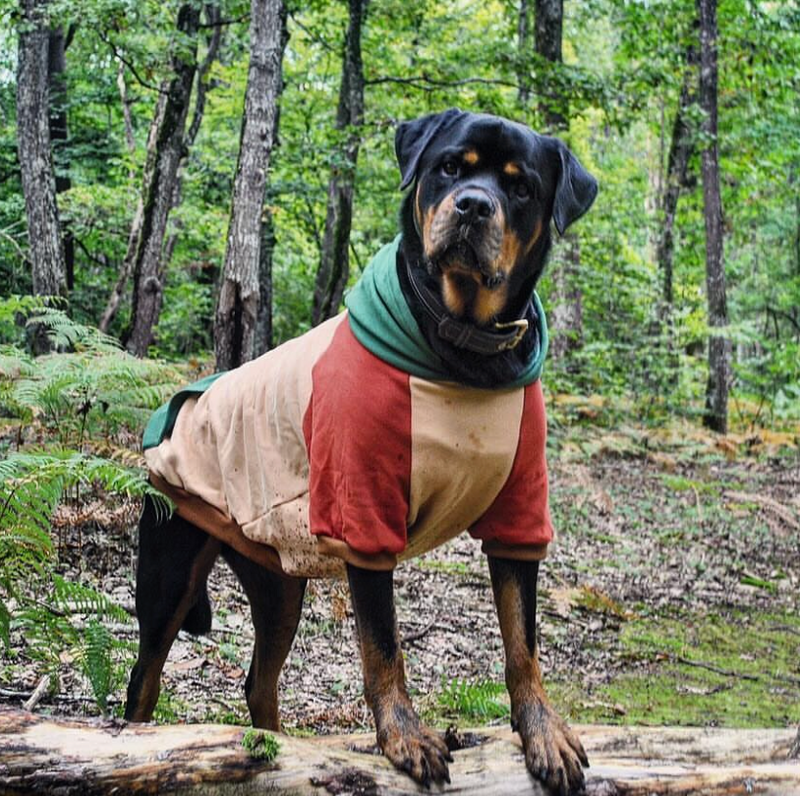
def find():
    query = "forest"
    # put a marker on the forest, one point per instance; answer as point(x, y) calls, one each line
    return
point(186, 185)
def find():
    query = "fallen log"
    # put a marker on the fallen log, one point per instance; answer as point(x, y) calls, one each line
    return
point(44, 755)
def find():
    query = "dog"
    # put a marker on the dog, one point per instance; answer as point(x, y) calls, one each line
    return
point(378, 435)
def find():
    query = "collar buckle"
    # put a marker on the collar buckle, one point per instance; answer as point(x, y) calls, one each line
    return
point(521, 325)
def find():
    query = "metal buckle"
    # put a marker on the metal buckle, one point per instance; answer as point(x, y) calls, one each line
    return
point(521, 327)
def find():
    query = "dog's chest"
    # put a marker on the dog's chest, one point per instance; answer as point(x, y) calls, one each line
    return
point(463, 444)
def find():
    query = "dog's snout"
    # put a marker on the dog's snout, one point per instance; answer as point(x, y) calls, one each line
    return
point(473, 205)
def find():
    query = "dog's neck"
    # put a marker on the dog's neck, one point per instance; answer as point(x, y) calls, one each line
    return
point(469, 367)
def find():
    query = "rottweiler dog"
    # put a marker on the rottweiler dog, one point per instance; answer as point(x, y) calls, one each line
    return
point(475, 236)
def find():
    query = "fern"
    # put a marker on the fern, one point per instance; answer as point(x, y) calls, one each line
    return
point(97, 662)
point(474, 701)
point(90, 395)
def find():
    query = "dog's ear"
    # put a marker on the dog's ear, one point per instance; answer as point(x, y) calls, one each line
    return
point(575, 191)
point(412, 139)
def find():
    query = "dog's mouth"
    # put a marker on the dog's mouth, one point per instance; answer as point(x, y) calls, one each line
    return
point(461, 257)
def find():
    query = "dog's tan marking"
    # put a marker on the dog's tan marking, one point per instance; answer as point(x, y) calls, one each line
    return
point(512, 169)
point(452, 291)
point(417, 208)
point(437, 222)
point(536, 235)
point(489, 303)
point(471, 157)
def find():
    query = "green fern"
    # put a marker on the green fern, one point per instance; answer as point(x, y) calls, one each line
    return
point(479, 701)
point(85, 396)
point(97, 661)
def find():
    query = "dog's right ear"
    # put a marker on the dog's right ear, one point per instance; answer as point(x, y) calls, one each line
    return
point(412, 139)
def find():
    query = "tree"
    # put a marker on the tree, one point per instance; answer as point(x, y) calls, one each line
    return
point(719, 347)
point(549, 16)
point(165, 150)
point(35, 155)
point(334, 265)
point(59, 133)
point(567, 311)
point(680, 150)
point(237, 303)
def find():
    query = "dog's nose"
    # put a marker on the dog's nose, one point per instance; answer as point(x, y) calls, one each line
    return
point(474, 205)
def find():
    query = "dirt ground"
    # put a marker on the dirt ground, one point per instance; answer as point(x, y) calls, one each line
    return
point(655, 545)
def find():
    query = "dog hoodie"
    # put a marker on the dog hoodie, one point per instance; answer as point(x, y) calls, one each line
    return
point(348, 444)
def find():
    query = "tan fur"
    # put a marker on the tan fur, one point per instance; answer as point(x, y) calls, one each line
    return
point(536, 234)
point(512, 169)
point(451, 292)
point(489, 303)
point(471, 157)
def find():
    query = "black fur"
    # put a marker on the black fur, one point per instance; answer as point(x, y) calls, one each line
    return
point(561, 190)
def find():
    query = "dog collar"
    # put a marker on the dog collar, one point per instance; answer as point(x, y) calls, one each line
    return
point(466, 335)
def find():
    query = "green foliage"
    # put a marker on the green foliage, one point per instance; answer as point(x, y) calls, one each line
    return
point(80, 399)
point(261, 745)
point(482, 701)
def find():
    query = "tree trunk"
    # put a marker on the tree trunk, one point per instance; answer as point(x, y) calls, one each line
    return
point(35, 155)
point(549, 24)
point(680, 150)
point(263, 334)
point(566, 313)
point(48, 756)
point(334, 265)
point(237, 303)
point(523, 45)
point(719, 348)
point(160, 174)
point(212, 14)
point(56, 68)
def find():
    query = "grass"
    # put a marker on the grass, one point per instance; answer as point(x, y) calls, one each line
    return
point(756, 682)
point(261, 745)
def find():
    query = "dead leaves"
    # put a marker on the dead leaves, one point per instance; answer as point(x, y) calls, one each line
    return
point(771, 507)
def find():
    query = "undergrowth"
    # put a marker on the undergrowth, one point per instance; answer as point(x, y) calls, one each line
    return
point(61, 416)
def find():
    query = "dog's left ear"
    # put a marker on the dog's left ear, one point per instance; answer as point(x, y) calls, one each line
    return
point(575, 191)
point(412, 139)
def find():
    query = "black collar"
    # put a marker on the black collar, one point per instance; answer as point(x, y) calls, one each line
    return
point(467, 335)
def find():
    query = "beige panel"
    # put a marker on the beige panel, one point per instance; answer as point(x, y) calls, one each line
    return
point(240, 446)
point(463, 444)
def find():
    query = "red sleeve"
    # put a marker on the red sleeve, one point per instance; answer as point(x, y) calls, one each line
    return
point(520, 514)
point(357, 429)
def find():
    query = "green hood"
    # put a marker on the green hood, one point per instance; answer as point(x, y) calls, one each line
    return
point(382, 322)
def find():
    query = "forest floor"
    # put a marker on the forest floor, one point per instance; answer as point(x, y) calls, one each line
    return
point(671, 596)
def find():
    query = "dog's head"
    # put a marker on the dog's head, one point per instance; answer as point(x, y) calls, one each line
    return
point(484, 192)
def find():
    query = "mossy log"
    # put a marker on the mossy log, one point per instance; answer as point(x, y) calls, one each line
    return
point(56, 756)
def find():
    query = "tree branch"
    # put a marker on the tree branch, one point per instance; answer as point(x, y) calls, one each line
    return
point(139, 79)
point(425, 83)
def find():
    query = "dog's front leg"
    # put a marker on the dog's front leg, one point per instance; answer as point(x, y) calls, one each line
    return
point(410, 745)
point(553, 752)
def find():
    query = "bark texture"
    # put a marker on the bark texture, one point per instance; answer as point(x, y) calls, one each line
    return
point(237, 302)
point(59, 134)
point(719, 348)
point(45, 756)
point(160, 175)
point(334, 265)
point(680, 150)
point(35, 154)
point(263, 334)
point(547, 42)
point(523, 45)
point(566, 314)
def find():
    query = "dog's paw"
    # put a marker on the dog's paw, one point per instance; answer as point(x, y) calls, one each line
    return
point(419, 752)
point(553, 753)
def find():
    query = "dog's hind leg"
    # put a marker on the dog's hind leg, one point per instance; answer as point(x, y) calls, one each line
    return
point(175, 558)
point(276, 602)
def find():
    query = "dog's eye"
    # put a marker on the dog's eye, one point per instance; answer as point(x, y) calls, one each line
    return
point(450, 168)
point(522, 191)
